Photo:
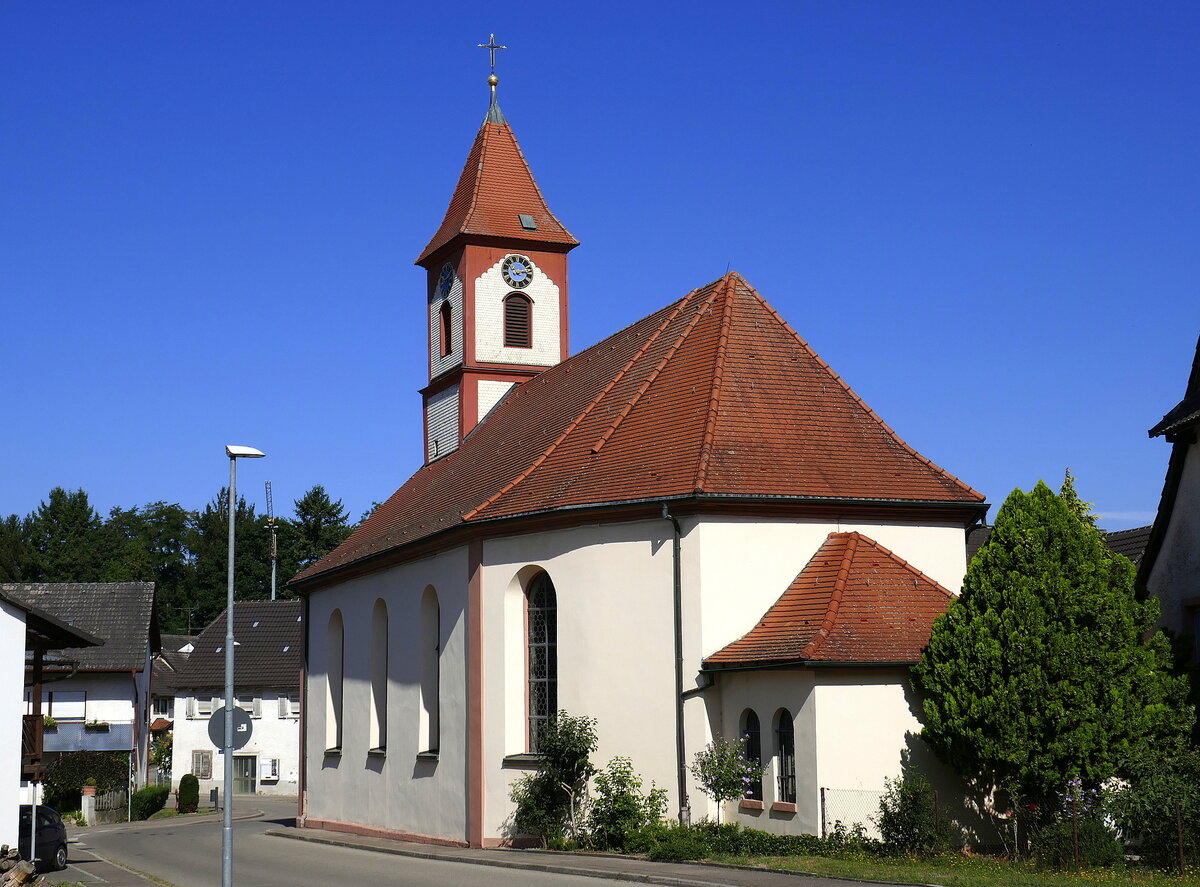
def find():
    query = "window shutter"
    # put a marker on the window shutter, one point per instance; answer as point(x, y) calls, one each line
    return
point(285, 707)
point(191, 707)
point(256, 711)
point(517, 327)
point(202, 764)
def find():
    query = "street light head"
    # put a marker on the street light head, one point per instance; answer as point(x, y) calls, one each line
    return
point(243, 452)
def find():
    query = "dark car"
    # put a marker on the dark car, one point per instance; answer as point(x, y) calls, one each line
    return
point(51, 846)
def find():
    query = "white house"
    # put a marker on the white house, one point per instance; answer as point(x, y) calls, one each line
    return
point(98, 697)
point(692, 528)
point(1170, 567)
point(268, 657)
point(24, 629)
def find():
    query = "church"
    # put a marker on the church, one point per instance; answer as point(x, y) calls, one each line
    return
point(693, 528)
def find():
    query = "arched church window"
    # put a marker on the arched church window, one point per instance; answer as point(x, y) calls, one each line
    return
point(445, 330)
point(379, 676)
point(785, 742)
point(752, 749)
point(542, 631)
point(334, 637)
point(518, 321)
point(431, 651)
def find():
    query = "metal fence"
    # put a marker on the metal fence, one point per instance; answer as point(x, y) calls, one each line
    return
point(113, 806)
point(852, 808)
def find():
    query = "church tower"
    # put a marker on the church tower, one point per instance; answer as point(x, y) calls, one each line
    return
point(496, 287)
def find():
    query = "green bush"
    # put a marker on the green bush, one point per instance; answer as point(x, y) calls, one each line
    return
point(908, 816)
point(189, 793)
point(1160, 775)
point(679, 843)
point(549, 800)
point(1053, 846)
point(148, 801)
point(67, 774)
point(620, 808)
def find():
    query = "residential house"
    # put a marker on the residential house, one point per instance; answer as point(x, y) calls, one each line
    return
point(693, 528)
point(174, 652)
point(99, 697)
point(268, 657)
point(25, 631)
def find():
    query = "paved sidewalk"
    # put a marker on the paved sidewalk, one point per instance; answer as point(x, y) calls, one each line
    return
point(617, 868)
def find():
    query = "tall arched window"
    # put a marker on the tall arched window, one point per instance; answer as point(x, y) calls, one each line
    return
point(445, 330)
point(518, 321)
point(431, 649)
point(542, 631)
point(333, 681)
point(379, 676)
point(752, 749)
point(785, 742)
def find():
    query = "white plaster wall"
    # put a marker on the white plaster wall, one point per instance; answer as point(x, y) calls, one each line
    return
point(849, 756)
point(442, 418)
point(110, 695)
point(439, 362)
point(12, 706)
point(615, 649)
point(395, 791)
point(490, 292)
point(1176, 574)
point(271, 736)
point(490, 393)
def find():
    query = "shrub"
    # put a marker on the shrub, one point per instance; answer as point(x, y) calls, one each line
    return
point(908, 816)
point(620, 808)
point(550, 801)
point(724, 772)
point(189, 793)
point(1160, 776)
point(1098, 845)
point(676, 843)
point(148, 801)
point(66, 775)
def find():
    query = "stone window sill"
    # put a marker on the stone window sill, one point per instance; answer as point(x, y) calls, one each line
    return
point(380, 751)
point(750, 804)
point(522, 761)
point(431, 755)
point(783, 807)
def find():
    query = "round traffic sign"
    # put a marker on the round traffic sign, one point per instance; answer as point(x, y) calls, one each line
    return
point(241, 727)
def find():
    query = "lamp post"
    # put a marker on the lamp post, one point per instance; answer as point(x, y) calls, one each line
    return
point(234, 453)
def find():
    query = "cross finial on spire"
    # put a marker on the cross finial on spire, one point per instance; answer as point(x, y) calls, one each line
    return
point(491, 46)
point(494, 114)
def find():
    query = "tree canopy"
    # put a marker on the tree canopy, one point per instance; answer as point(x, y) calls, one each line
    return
point(1044, 669)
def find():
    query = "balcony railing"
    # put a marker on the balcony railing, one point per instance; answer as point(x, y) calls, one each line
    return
point(31, 738)
point(77, 737)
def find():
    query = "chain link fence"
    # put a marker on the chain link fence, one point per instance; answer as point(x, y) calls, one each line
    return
point(852, 808)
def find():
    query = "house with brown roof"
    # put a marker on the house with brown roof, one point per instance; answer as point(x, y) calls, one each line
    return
point(1170, 567)
point(692, 528)
point(268, 657)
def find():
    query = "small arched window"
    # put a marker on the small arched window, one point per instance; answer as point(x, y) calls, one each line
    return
point(542, 631)
point(445, 330)
point(785, 742)
point(379, 676)
point(518, 321)
point(431, 651)
point(333, 681)
point(752, 749)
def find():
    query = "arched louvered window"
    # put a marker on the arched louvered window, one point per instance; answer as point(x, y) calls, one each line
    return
point(377, 736)
point(785, 742)
point(445, 330)
point(752, 749)
point(334, 639)
point(518, 321)
point(431, 652)
point(542, 631)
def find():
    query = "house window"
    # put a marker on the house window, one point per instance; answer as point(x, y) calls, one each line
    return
point(431, 651)
point(518, 321)
point(379, 676)
point(752, 750)
point(67, 705)
point(542, 631)
point(252, 705)
point(333, 682)
point(163, 707)
point(785, 743)
point(204, 706)
point(202, 764)
point(445, 330)
point(289, 705)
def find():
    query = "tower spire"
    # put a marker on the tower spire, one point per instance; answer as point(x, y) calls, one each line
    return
point(494, 114)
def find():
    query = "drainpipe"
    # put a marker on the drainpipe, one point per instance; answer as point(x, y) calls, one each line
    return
point(685, 808)
point(302, 787)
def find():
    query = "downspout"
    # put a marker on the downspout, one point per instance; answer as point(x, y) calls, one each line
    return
point(302, 787)
point(685, 807)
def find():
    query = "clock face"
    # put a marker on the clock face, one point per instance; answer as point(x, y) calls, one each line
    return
point(517, 271)
point(445, 281)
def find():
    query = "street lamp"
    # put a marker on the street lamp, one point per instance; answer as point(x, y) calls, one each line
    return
point(234, 453)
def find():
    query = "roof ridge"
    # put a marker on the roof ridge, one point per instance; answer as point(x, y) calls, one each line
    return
point(835, 599)
point(714, 400)
point(929, 463)
point(654, 373)
point(466, 222)
point(495, 497)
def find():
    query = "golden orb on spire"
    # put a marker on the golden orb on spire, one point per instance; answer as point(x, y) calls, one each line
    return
point(493, 80)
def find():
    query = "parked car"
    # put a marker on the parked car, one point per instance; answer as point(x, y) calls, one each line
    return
point(51, 846)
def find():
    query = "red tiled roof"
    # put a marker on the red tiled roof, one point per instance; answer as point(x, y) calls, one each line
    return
point(714, 394)
point(496, 186)
point(855, 601)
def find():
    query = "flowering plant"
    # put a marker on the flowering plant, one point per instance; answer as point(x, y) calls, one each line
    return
point(724, 772)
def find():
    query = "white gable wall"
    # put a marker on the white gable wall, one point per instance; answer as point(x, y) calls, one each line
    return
point(12, 706)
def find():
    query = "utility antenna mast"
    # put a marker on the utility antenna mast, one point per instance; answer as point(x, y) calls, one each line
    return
point(274, 547)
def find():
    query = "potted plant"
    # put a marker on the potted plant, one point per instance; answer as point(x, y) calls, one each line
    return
point(96, 726)
point(49, 725)
point(89, 788)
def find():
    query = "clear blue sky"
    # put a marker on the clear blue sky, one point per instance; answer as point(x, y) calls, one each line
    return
point(982, 215)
